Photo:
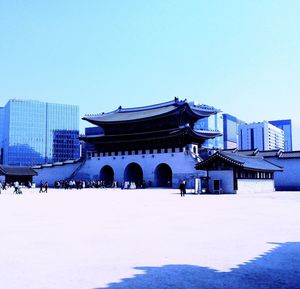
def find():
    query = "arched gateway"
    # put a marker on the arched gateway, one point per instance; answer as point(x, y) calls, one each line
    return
point(163, 176)
point(107, 175)
point(133, 173)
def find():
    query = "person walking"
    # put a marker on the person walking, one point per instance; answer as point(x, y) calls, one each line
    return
point(46, 187)
point(16, 185)
point(184, 187)
point(181, 188)
point(41, 187)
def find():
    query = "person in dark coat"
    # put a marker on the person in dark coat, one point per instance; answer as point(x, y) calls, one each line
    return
point(41, 187)
point(46, 187)
point(182, 188)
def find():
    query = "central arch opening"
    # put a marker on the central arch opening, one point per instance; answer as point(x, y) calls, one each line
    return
point(107, 175)
point(134, 173)
point(163, 176)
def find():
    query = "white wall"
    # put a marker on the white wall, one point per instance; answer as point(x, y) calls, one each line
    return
point(255, 186)
point(181, 163)
point(244, 185)
point(226, 178)
point(55, 173)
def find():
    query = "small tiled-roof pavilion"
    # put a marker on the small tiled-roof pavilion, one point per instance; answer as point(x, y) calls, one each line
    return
point(229, 172)
point(14, 173)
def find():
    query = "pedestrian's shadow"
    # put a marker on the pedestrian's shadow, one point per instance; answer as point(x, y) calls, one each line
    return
point(279, 268)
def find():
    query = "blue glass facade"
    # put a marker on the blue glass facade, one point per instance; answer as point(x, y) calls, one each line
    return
point(215, 123)
point(1, 133)
point(231, 131)
point(36, 132)
point(286, 126)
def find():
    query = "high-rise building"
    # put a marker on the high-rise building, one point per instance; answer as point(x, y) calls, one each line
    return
point(1, 133)
point(35, 132)
point(212, 123)
point(286, 126)
point(231, 131)
point(261, 135)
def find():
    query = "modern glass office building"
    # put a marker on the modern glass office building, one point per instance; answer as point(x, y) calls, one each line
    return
point(286, 126)
point(35, 132)
point(1, 133)
point(231, 131)
point(212, 123)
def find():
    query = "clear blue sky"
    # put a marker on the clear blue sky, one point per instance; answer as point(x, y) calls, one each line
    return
point(240, 56)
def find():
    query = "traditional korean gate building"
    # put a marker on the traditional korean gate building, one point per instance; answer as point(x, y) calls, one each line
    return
point(155, 143)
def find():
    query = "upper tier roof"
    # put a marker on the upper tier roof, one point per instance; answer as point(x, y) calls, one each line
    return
point(151, 111)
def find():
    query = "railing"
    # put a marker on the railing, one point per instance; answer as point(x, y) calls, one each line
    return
point(71, 177)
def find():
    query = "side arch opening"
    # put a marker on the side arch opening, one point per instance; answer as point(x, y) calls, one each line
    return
point(107, 175)
point(163, 176)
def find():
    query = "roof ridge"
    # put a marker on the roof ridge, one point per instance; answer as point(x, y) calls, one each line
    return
point(141, 108)
point(246, 156)
point(152, 106)
point(228, 156)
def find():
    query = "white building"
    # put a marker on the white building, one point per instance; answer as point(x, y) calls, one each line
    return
point(261, 135)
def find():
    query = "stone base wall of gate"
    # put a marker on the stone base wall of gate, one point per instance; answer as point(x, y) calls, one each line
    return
point(54, 173)
point(182, 165)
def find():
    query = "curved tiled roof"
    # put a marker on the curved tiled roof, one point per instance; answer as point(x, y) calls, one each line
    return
point(246, 162)
point(17, 171)
point(127, 115)
point(151, 111)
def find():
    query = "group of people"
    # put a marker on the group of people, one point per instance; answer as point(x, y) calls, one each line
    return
point(135, 185)
point(82, 184)
point(2, 186)
point(43, 187)
point(71, 184)
point(15, 185)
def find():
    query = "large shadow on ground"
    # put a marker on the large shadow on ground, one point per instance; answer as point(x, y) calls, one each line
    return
point(277, 269)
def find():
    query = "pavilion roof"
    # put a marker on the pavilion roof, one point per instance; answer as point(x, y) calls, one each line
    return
point(254, 163)
point(17, 171)
point(151, 111)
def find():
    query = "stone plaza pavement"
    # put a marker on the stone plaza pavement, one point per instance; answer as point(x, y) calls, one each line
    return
point(140, 239)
